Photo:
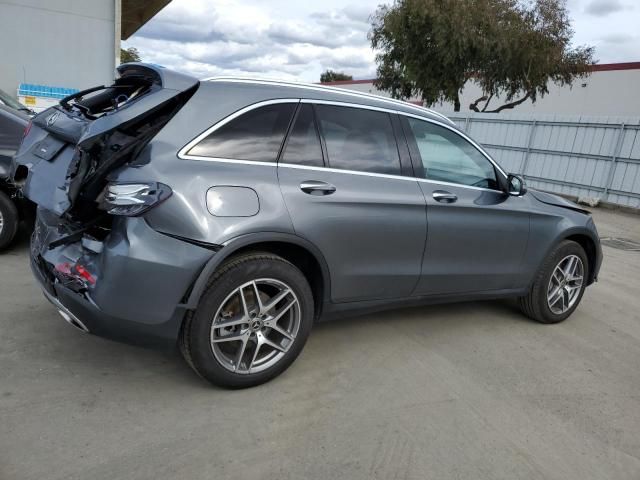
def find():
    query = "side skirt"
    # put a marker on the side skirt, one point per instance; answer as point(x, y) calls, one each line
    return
point(334, 311)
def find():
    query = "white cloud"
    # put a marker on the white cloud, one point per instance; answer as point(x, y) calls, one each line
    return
point(298, 40)
point(604, 7)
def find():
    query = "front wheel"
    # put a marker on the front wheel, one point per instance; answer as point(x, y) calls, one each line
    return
point(9, 220)
point(559, 284)
point(251, 323)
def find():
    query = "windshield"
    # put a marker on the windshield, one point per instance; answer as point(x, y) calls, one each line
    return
point(9, 101)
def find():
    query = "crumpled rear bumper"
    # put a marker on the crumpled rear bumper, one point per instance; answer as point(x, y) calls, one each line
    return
point(139, 280)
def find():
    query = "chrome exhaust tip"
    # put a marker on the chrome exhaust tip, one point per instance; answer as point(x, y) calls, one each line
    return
point(72, 320)
point(69, 317)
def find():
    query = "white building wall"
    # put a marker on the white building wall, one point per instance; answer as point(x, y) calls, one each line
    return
point(62, 43)
point(615, 92)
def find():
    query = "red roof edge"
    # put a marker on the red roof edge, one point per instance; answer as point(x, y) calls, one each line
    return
point(598, 67)
point(608, 67)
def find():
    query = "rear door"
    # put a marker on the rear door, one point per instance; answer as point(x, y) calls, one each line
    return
point(477, 233)
point(343, 178)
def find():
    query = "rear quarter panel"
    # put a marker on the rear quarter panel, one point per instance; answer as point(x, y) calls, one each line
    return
point(185, 213)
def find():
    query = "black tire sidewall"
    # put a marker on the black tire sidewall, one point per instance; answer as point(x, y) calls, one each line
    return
point(563, 250)
point(10, 220)
point(202, 357)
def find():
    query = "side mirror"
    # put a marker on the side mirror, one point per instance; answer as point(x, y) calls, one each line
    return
point(516, 185)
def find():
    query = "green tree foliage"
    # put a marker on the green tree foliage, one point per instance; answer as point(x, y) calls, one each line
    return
point(331, 76)
point(510, 48)
point(130, 54)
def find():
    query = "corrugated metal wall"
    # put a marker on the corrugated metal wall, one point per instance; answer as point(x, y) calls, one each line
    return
point(574, 155)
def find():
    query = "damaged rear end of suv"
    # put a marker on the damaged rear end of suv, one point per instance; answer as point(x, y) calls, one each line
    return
point(98, 261)
point(227, 216)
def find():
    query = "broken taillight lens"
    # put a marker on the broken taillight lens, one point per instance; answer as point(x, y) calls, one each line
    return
point(133, 199)
point(75, 271)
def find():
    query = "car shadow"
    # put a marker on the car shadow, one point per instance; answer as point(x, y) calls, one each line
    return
point(93, 357)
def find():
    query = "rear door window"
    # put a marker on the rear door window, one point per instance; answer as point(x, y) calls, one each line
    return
point(256, 135)
point(359, 139)
point(303, 145)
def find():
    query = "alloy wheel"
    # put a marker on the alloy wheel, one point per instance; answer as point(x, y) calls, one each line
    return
point(255, 326)
point(565, 284)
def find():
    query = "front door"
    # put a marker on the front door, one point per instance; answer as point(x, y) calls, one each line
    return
point(477, 234)
point(341, 178)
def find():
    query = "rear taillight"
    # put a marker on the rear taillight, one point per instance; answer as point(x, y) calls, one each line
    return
point(132, 199)
point(27, 129)
point(76, 272)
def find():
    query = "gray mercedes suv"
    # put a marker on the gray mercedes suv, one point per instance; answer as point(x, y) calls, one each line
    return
point(229, 215)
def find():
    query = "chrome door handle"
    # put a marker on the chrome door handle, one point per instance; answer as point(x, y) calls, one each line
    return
point(444, 197)
point(313, 187)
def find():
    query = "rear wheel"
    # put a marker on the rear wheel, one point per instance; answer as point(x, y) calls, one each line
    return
point(8, 221)
point(251, 323)
point(559, 285)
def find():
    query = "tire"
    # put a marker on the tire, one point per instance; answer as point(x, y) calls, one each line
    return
point(9, 220)
point(211, 353)
point(548, 301)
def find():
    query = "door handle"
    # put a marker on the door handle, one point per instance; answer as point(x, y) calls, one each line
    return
point(444, 197)
point(313, 187)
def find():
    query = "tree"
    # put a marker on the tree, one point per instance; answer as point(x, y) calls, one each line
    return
point(331, 76)
point(130, 54)
point(510, 48)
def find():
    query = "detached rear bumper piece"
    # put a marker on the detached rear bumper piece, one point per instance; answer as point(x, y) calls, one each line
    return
point(130, 287)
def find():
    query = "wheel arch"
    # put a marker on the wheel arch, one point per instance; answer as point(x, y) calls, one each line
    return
point(293, 248)
point(589, 245)
point(585, 238)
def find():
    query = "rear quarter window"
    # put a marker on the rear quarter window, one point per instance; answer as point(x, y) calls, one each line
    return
point(256, 135)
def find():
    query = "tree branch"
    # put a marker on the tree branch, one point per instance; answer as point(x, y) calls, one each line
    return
point(511, 104)
point(487, 104)
point(474, 106)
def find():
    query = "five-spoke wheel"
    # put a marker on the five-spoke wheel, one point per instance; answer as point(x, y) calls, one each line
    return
point(255, 326)
point(559, 284)
point(565, 284)
point(251, 323)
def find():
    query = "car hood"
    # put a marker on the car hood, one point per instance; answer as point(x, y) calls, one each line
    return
point(555, 200)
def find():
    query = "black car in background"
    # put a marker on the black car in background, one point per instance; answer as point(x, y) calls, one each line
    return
point(7, 100)
point(13, 208)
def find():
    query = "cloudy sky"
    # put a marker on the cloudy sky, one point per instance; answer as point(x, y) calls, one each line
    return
point(294, 39)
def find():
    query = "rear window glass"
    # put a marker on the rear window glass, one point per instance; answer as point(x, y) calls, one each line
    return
point(359, 139)
point(303, 146)
point(256, 135)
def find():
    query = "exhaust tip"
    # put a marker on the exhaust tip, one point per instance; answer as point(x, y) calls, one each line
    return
point(72, 320)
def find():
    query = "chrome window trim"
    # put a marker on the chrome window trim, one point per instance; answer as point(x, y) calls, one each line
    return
point(383, 175)
point(435, 122)
point(182, 153)
point(185, 156)
point(326, 88)
point(334, 170)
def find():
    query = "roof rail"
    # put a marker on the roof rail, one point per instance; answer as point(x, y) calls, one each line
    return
point(324, 88)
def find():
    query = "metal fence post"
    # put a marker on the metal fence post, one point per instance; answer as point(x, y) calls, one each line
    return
point(466, 123)
point(532, 134)
point(612, 167)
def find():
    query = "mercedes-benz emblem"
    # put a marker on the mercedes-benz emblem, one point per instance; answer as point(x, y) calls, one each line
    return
point(51, 119)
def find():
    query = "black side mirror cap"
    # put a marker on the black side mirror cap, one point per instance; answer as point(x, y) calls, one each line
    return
point(516, 185)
